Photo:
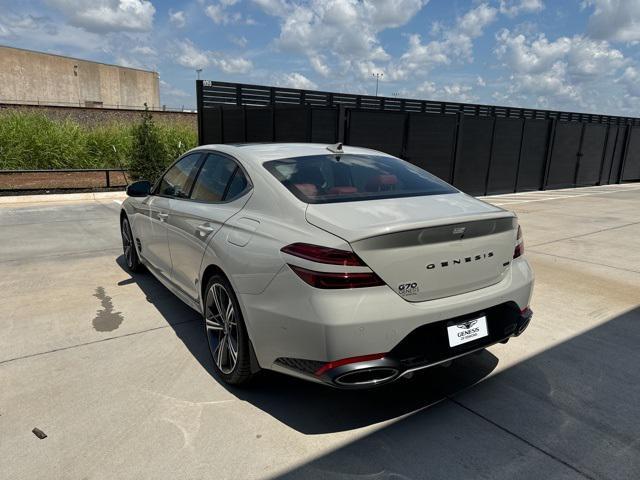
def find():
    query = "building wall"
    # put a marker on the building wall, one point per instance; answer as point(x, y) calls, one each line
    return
point(33, 77)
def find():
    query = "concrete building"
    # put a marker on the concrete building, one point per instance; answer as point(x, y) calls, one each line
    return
point(34, 77)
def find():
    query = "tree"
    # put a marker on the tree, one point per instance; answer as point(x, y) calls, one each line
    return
point(148, 152)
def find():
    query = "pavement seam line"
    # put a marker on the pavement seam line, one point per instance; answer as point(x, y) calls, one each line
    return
point(522, 439)
point(585, 234)
point(584, 261)
point(59, 255)
point(70, 347)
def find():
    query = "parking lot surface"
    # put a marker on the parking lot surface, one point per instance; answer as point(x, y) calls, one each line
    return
point(115, 370)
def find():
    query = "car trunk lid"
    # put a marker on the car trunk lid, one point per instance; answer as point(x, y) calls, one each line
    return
point(426, 247)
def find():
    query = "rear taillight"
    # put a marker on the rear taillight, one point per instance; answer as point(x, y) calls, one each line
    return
point(330, 256)
point(316, 253)
point(519, 251)
point(337, 280)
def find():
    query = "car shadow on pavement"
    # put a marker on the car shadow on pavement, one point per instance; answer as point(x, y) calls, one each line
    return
point(311, 408)
point(568, 412)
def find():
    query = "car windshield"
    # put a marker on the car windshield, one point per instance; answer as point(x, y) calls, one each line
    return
point(347, 178)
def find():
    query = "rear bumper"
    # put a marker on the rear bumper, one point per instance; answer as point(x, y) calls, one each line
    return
point(423, 348)
point(291, 320)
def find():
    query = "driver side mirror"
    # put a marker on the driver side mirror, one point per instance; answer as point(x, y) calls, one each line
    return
point(141, 188)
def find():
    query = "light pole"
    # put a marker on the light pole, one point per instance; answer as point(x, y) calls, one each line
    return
point(378, 77)
point(198, 72)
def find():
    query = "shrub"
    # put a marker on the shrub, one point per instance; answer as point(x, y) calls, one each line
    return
point(31, 140)
point(148, 153)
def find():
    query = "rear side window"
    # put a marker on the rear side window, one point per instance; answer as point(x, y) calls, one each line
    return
point(220, 179)
point(345, 178)
point(178, 179)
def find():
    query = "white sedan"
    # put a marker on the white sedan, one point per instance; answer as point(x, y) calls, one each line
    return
point(340, 265)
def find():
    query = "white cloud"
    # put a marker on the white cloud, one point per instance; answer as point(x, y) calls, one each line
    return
point(562, 72)
point(108, 15)
point(614, 20)
point(221, 16)
point(343, 33)
point(513, 8)
point(455, 92)
point(232, 65)
point(177, 18)
point(295, 80)
point(480, 81)
point(630, 79)
point(145, 50)
point(187, 54)
point(455, 43)
point(238, 40)
point(171, 91)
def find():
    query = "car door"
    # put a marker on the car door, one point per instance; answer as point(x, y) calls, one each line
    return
point(221, 189)
point(155, 209)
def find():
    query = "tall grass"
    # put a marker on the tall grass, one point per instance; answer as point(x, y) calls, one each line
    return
point(31, 140)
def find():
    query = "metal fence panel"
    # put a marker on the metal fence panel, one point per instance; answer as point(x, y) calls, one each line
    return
point(505, 155)
point(592, 154)
point(614, 176)
point(481, 148)
point(233, 125)
point(632, 162)
point(564, 157)
point(382, 131)
point(430, 143)
point(533, 155)
point(210, 125)
point(324, 125)
point(609, 151)
point(259, 124)
point(291, 124)
point(474, 150)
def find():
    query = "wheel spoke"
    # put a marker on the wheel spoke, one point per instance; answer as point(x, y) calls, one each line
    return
point(229, 312)
point(213, 325)
point(221, 351)
point(216, 300)
point(233, 351)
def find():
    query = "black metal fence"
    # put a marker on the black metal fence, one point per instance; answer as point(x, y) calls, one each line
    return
point(62, 180)
point(480, 149)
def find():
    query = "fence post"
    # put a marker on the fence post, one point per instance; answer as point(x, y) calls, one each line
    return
point(342, 123)
point(625, 153)
point(108, 179)
point(456, 147)
point(493, 137)
point(550, 141)
point(200, 109)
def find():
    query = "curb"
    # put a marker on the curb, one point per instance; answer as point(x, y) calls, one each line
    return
point(61, 197)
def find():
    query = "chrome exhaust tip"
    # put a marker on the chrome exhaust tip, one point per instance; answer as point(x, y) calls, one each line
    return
point(366, 377)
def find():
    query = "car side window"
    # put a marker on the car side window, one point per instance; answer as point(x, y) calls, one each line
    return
point(179, 178)
point(218, 177)
point(238, 184)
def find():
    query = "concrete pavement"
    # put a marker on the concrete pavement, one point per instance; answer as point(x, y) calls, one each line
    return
point(115, 370)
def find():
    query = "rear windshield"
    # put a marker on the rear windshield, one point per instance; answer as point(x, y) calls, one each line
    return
point(347, 178)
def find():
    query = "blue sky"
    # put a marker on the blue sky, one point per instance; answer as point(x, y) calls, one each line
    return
point(580, 55)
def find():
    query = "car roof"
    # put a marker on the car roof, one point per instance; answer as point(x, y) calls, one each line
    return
point(262, 152)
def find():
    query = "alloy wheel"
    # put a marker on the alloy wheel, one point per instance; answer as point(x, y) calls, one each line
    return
point(127, 242)
point(222, 328)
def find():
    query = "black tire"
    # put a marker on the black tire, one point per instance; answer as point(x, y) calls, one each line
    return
point(228, 328)
point(128, 247)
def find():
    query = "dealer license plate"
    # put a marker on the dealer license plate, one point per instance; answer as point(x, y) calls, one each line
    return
point(467, 331)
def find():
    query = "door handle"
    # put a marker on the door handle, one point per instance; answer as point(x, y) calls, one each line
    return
point(163, 216)
point(205, 229)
